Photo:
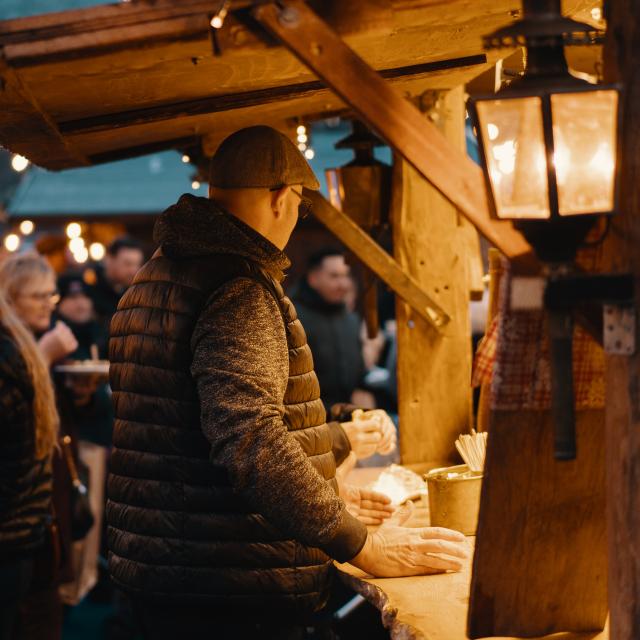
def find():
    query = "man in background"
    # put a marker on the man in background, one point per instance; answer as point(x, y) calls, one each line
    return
point(123, 260)
point(333, 331)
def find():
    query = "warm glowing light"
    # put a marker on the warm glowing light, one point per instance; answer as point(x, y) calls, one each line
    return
point(97, 251)
point(186, 158)
point(602, 160)
point(26, 227)
point(302, 137)
point(505, 154)
point(76, 244)
point(82, 255)
point(492, 131)
point(19, 163)
point(195, 185)
point(302, 146)
point(562, 163)
point(12, 242)
point(217, 22)
point(596, 13)
point(309, 154)
point(301, 129)
point(73, 230)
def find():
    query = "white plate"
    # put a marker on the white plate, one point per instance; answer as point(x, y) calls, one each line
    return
point(97, 367)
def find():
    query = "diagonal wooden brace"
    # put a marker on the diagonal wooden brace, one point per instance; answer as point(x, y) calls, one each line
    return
point(450, 171)
point(378, 260)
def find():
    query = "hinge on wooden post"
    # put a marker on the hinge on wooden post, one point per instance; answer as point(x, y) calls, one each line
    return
point(619, 329)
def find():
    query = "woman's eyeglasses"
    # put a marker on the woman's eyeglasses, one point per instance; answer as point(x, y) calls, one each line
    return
point(304, 208)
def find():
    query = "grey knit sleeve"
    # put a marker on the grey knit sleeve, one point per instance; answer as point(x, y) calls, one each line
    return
point(241, 367)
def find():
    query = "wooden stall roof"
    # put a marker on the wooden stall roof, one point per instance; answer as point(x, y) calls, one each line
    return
point(87, 86)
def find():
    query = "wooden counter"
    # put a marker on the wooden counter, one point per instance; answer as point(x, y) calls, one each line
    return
point(424, 607)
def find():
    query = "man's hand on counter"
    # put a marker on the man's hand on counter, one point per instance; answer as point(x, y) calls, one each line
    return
point(394, 551)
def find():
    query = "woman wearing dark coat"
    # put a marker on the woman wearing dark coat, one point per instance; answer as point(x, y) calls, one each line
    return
point(28, 430)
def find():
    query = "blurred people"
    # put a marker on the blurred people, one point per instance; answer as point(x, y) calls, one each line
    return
point(333, 332)
point(29, 543)
point(86, 410)
point(123, 260)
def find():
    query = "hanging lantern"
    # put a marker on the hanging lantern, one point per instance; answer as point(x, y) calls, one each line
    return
point(549, 142)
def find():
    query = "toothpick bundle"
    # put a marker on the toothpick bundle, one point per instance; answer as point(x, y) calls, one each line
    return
point(472, 448)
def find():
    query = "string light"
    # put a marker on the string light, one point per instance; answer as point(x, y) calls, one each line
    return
point(12, 242)
point(82, 255)
point(97, 251)
point(186, 158)
point(218, 19)
point(303, 142)
point(19, 163)
point(301, 129)
point(309, 154)
point(26, 227)
point(195, 185)
point(596, 13)
point(76, 244)
point(73, 230)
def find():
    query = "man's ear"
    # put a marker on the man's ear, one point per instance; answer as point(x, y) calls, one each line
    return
point(277, 200)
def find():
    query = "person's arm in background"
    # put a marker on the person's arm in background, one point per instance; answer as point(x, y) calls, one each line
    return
point(240, 365)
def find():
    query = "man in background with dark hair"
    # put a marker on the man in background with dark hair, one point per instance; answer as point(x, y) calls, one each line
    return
point(123, 260)
point(333, 332)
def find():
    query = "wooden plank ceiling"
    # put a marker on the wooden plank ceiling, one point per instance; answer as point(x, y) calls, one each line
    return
point(88, 86)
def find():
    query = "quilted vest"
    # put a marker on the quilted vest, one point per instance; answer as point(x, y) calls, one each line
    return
point(176, 529)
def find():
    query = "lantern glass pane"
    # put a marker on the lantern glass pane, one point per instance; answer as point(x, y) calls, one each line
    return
point(336, 189)
point(585, 147)
point(513, 140)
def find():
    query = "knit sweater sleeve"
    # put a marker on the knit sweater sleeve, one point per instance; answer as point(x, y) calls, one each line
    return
point(240, 365)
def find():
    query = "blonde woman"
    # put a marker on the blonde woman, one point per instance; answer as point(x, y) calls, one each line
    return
point(28, 431)
point(29, 284)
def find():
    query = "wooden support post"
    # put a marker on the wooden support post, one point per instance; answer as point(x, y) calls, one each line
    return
point(434, 371)
point(379, 261)
point(448, 169)
point(622, 63)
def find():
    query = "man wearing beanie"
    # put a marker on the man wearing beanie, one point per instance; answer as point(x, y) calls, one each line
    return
point(223, 507)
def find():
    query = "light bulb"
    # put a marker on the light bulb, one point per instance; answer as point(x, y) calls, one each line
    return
point(12, 242)
point(76, 244)
point(596, 13)
point(73, 230)
point(186, 158)
point(82, 255)
point(26, 227)
point(309, 154)
point(19, 163)
point(301, 129)
point(302, 146)
point(302, 137)
point(195, 185)
point(96, 251)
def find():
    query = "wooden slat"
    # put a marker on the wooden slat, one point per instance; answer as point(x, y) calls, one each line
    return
point(394, 118)
point(378, 260)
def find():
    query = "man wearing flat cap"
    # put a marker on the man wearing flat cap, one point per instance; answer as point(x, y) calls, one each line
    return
point(223, 509)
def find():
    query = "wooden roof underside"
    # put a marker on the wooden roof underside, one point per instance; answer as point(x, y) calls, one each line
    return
point(88, 86)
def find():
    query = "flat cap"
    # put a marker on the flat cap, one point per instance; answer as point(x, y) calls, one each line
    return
point(260, 157)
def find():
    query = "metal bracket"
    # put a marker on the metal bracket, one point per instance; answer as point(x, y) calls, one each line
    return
point(619, 331)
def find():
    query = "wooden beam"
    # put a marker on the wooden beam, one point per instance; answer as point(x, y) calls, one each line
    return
point(398, 121)
point(228, 102)
point(378, 260)
point(622, 413)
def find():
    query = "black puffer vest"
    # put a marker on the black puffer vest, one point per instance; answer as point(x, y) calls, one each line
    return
point(177, 530)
